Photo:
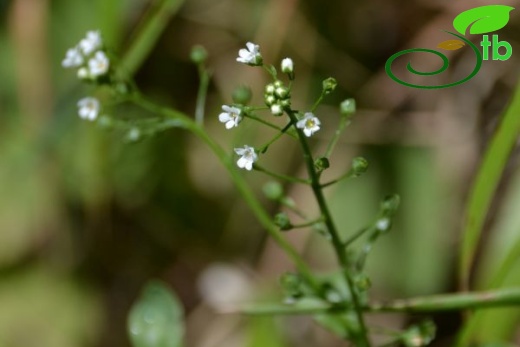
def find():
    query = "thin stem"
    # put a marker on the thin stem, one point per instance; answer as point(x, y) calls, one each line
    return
point(336, 241)
point(240, 183)
point(273, 140)
point(269, 124)
point(424, 304)
point(318, 102)
point(308, 224)
point(350, 173)
point(354, 237)
point(337, 134)
point(279, 176)
point(201, 94)
point(289, 203)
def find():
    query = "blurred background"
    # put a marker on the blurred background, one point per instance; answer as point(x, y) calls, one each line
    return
point(87, 216)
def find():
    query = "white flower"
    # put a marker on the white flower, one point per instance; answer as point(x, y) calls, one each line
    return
point(310, 124)
point(287, 66)
point(88, 108)
point(251, 55)
point(231, 116)
point(99, 64)
point(276, 109)
point(91, 42)
point(247, 157)
point(73, 58)
point(383, 224)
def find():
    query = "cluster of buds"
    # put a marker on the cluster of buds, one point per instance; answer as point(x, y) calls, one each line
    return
point(277, 97)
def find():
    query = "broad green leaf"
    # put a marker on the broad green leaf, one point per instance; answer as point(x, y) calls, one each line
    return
point(156, 319)
point(483, 19)
point(451, 45)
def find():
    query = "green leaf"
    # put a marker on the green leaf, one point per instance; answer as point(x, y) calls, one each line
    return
point(483, 19)
point(156, 319)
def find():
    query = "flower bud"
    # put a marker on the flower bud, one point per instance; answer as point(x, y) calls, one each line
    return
point(287, 66)
point(83, 73)
point(269, 100)
point(321, 164)
point(198, 54)
point(273, 190)
point(282, 221)
point(383, 224)
point(242, 95)
point(359, 166)
point(281, 92)
point(348, 107)
point(270, 88)
point(276, 109)
point(292, 284)
point(329, 85)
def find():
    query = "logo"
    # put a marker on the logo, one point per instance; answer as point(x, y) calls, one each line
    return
point(480, 20)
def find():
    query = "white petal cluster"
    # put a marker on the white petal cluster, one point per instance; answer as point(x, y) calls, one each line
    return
point(309, 123)
point(251, 55)
point(230, 117)
point(88, 56)
point(287, 66)
point(247, 157)
point(88, 108)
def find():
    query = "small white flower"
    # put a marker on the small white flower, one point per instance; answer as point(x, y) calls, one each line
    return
point(88, 108)
point(231, 116)
point(383, 224)
point(91, 42)
point(83, 73)
point(251, 55)
point(99, 64)
point(73, 58)
point(287, 66)
point(276, 109)
point(247, 157)
point(310, 124)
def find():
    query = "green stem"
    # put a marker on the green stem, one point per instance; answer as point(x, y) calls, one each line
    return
point(337, 134)
point(264, 148)
point(148, 33)
point(279, 176)
point(240, 183)
point(354, 237)
point(425, 304)
point(317, 102)
point(201, 94)
point(264, 122)
point(348, 174)
point(336, 241)
point(308, 224)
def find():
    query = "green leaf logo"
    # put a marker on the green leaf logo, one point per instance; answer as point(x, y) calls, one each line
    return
point(482, 20)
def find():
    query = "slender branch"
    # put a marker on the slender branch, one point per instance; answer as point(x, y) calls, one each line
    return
point(308, 224)
point(269, 124)
point(337, 134)
point(354, 237)
point(424, 304)
point(336, 241)
point(318, 101)
point(201, 94)
point(279, 176)
point(275, 138)
point(240, 183)
point(350, 173)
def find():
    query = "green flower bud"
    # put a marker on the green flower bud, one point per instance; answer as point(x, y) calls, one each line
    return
point(277, 109)
point(270, 88)
point(321, 164)
point(134, 135)
point(198, 54)
point(269, 100)
point(287, 67)
point(363, 282)
point(329, 85)
point(390, 204)
point(278, 84)
point(292, 284)
point(282, 92)
point(419, 335)
point(348, 107)
point(285, 103)
point(242, 95)
point(359, 166)
point(282, 221)
point(273, 190)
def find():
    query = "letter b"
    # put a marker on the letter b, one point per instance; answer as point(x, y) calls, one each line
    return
point(496, 46)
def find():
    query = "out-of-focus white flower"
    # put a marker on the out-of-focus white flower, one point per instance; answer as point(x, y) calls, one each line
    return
point(309, 123)
point(73, 58)
point(247, 157)
point(83, 73)
point(251, 55)
point(276, 109)
point(99, 64)
point(383, 224)
point(231, 116)
point(88, 108)
point(287, 66)
point(91, 42)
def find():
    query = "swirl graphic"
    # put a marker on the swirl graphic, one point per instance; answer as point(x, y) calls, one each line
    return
point(445, 65)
